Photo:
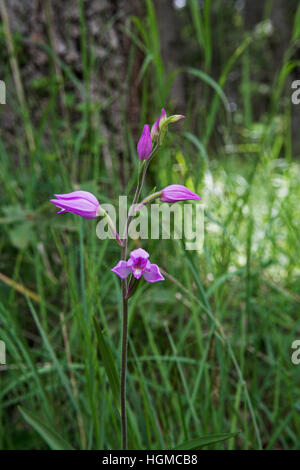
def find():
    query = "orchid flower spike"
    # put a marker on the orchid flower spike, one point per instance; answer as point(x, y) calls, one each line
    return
point(139, 265)
point(80, 203)
point(177, 192)
point(144, 146)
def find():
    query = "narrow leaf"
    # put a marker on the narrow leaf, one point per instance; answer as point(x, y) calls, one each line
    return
point(204, 441)
point(54, 440)
point(108, 363)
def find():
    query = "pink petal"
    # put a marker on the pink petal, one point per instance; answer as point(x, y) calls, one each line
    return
point(153, 274)
point(137, 272)
point(79, 194)
point(81, 207)
point(144, 146)
point(177, 192)
point(155, 129)
point(139, 253)
point(122, 270)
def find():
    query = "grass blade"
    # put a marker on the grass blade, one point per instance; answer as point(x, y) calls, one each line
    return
point(54, 440)
point(204, 441)
point(108, 363)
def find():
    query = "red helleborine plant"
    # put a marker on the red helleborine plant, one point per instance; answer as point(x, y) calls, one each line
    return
point(138, 265)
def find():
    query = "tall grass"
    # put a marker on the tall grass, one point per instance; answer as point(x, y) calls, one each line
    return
point(209, 350)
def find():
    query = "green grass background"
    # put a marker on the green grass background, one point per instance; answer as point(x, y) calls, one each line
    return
point(210, 348)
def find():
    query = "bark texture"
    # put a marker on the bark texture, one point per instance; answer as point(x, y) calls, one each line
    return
point(100, 37)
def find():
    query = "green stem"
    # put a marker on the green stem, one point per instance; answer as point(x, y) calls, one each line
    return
point(147, 199)
point(112, 228)
point(124, 358)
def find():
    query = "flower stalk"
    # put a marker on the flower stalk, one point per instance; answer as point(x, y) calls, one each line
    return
point(146, 153)
point(124, 355)
point(141, 178)
point(125, 294)
point(138, 265)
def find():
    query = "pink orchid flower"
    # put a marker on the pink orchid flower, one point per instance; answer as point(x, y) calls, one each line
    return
point(139, 265)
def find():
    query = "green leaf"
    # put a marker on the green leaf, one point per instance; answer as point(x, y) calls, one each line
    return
point(54, 440)
point(210, 81)
point(204, 441)
point(108, 363)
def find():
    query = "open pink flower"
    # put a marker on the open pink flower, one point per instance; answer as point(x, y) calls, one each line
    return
point(144, 146)
point(80, 203)
point(139, 265)
point(177, 192)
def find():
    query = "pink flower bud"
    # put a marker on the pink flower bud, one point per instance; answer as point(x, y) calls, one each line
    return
point(80, 203)
point(156, 126)
point(144, 146)
point(177, 192)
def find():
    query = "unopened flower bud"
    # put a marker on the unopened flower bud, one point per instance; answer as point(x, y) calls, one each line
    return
point(80, 203)
point(156, 126)
point(177, 192)
point(144, 146)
